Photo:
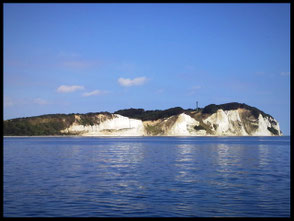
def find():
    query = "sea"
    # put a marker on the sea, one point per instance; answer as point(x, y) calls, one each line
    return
point(146, 176)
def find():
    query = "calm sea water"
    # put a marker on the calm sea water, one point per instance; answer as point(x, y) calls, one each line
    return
point(148, 176)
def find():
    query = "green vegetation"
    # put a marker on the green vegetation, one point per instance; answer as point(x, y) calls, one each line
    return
point(36, 126)
point(212, 108)
point(50, 124)
point(86, 120)
point(143, 115)
point(154, 130)
point(90, 118)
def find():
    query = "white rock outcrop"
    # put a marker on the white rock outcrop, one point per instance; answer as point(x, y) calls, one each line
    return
point(263, 125)
point(116, 126)
point(184, 126)
point(221, 123)
point(230, 123)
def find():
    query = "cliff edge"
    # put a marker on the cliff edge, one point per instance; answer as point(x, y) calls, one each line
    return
point(231, 119)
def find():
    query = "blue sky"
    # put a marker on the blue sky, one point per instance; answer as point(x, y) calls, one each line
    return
point(79, 58)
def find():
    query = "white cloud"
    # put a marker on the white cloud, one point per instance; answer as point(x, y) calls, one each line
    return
point(95, 92)
point(69, 89)
point(126, 82)
point(40, 101)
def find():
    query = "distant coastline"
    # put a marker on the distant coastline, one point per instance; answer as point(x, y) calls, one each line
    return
point(230, 119)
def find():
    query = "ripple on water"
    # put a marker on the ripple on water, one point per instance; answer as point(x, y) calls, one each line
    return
point(199, 177)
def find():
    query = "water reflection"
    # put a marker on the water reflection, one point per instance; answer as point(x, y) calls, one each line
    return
point(223, 156)
point(183, 163)
point(263, 152)
point(184, 152)
point(122, 165)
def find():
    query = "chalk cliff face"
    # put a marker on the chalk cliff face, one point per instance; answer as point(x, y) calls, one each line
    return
point(237, 122)
point(231, 119)
point(240, 123)
point(116, 125)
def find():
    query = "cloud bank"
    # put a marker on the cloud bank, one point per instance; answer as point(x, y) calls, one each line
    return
point(126, 82)
point(69, 89)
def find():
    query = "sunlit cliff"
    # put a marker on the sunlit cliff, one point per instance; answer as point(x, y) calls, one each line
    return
point(231, 119)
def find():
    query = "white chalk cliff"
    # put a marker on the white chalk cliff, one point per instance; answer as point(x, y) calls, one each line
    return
point(117, 125)
point(238, 122)
point(232, 122)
